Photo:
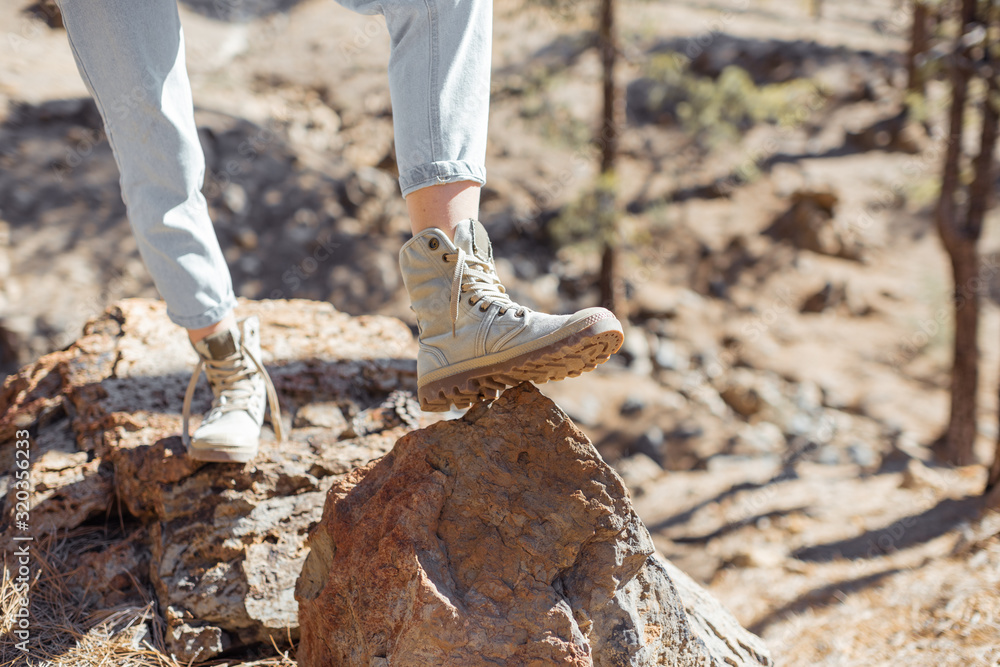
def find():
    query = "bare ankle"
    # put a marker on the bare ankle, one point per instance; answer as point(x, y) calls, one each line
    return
point(443, 206)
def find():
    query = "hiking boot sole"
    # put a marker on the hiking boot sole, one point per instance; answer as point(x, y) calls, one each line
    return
point(571, 356)
point(222, 453)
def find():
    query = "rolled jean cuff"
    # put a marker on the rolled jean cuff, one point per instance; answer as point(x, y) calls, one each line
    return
point(209, 317)
point(439, 173)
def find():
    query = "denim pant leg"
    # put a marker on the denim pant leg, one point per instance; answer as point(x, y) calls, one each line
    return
point(439, 80)
point(131, 56)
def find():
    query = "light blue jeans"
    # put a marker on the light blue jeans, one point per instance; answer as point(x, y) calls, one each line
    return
point(131, 56)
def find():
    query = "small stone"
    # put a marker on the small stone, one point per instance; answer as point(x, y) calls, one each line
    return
point(247, 238)
point(188, 644)
point(250, 264)
point(808, 396)
point(632, 405)
point(829, 296)
point(744, 400)
point(801, 423)
point(759, 556)
point(863, 454)
point(273, 196)
point(760, 438)
point(668, 357)
point(829, 455)
point(303, 226)
point(235, 198)
point(916, 475)
point(652, 444)
point(322, 415)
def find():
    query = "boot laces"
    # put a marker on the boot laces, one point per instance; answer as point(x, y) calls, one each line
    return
point(479, 277)
point(231, 380)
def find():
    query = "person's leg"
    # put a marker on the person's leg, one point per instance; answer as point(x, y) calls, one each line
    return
point(439, 80)
point(131, 56)
point(474, 340)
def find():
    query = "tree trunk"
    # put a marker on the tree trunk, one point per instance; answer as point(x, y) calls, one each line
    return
point(611, 296)
point(993, 480)
point(981, 191)
point(960, 242)
point(961, 433)
point(609, 59)
point(611, 123)
point(918, 46)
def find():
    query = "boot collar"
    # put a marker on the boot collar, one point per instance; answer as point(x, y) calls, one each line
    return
point(220, 345)
point(470, 236)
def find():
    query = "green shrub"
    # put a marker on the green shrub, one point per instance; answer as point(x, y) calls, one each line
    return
point(717, 111)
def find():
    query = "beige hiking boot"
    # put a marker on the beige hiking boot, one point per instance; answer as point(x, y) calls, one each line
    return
point(474, 340)
point(230, 431)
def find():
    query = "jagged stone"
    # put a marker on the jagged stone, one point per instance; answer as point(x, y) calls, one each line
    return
point(224, 543)
point(499, 538)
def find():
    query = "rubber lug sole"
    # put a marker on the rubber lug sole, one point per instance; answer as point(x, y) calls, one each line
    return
point(219, 454)
point(569, 357)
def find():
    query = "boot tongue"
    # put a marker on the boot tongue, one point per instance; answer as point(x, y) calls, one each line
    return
point(220, 345)
point(470, 236)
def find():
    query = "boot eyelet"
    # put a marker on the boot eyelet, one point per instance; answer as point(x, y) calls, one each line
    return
point(444, 257)
point(483, 307)
point(433, 243)
point(471, 301)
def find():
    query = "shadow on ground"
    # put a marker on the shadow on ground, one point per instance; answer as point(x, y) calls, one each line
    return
point(902, 534)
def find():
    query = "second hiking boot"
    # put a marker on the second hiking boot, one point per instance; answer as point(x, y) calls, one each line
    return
point(230, 431)
point(474, 340)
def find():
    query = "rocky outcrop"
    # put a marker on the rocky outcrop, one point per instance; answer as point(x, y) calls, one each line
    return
point(501, 534)
point(221, 545)
point(499, 538)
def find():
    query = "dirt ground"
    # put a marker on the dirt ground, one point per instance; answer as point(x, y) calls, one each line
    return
point(774, 404)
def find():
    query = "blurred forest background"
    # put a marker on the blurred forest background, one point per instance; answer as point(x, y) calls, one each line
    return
point(790, 201)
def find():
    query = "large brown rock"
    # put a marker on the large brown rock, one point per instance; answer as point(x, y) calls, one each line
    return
point(501, 538)
point(220, 545)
